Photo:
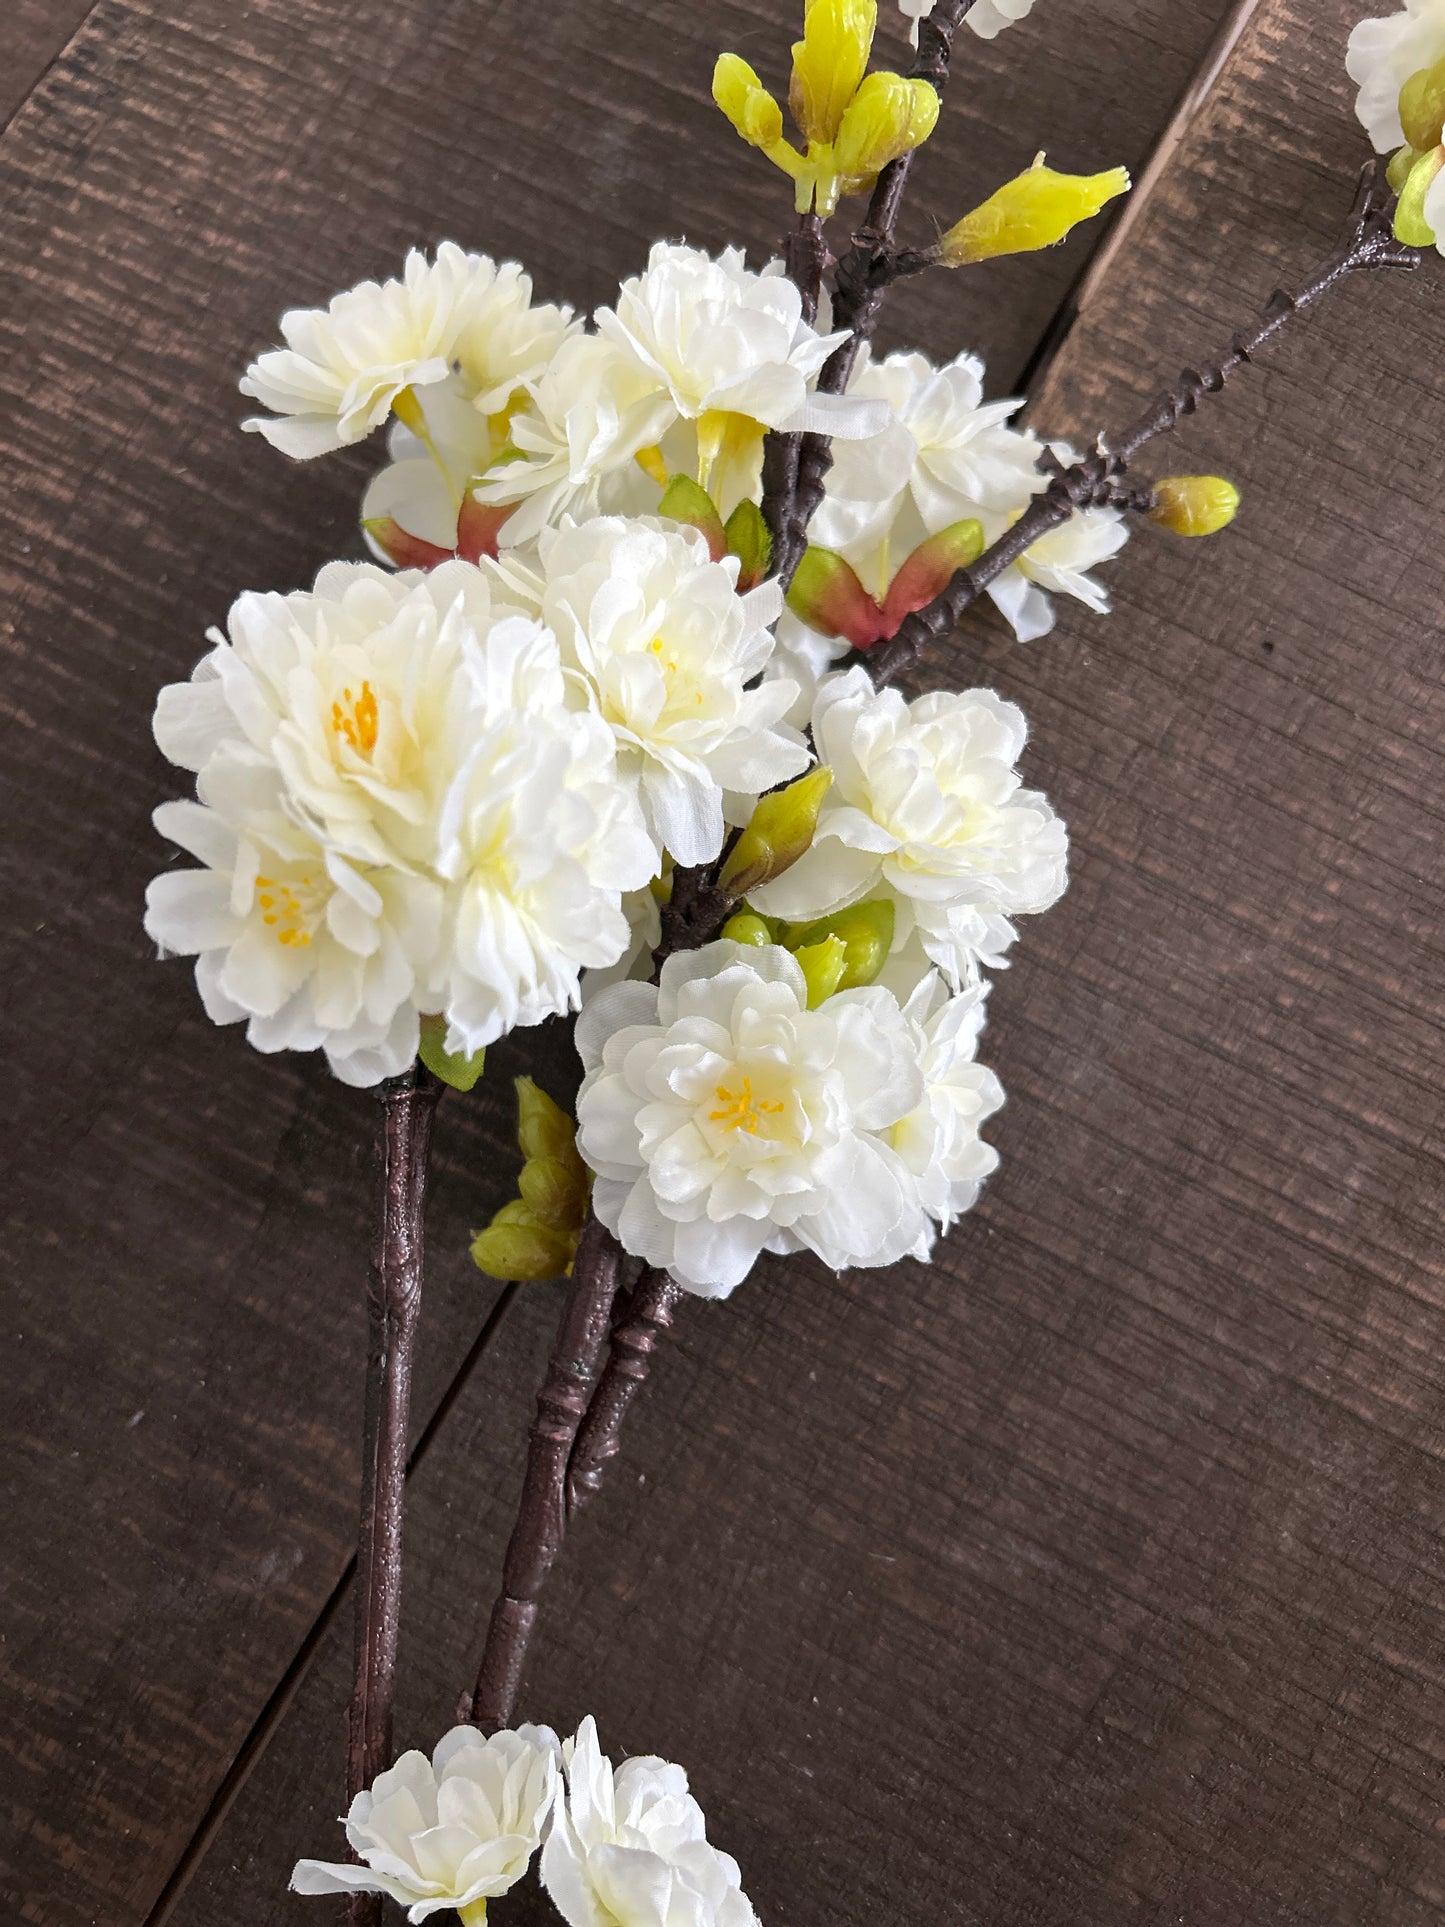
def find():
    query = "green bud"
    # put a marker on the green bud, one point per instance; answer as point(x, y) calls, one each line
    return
point(866, 934)
point(544, 1130)
point(781, 830)
point(1194, 504)
point(823, 966)
point(1401, 161)
point(748, 927)
point(555, 1191)
point(1411, 227)
point(520, 1252)
point(1034, 210)
point(748, 538)
point(1422, 107)
point(684, 501)
point(450, 1066)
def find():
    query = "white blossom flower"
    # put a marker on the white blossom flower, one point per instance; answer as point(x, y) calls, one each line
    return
point(722, 340)
point(344, 365)
point(939, 1142)
point(663, 648)
point(724, 1118)
point(1383, 54)
point(1059, 564)
point(451, 1832)
point(629, 1848)
point(988, 18)
point(538, 839)
point(927, 808)
point(312, 952)
point(423, 487)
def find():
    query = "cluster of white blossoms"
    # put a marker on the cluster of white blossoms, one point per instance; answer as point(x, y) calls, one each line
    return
point(619, 1848)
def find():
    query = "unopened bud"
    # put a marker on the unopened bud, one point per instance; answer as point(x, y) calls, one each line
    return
point(684, 501)
point(826, 594)
point(518, 1250)
point(746, 101)
point(544, 1130)
point(823, 965)
point(749, 539)
point(1411, 226)
point(866, 934)
point(781, 830)
point(452, 1067)
point(888, 116)
point(1034, 210)
point(1422, 107)
point(829, 63)
point(748, 927)
point(1195, 504)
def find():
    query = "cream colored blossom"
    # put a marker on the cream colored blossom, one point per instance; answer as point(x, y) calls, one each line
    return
point(629, 1848)
point(927, 805)
point(988, 18)
point(449, 1833)
point(1383, 54)
point(939, 1142)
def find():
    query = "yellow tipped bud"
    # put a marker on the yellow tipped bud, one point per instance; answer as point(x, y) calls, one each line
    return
point(748, 927)
point(1034, 210)
point(451, 1067)
point(823, 966)
point(829, 63)
point(866, 934)
point(1422, 107)
point(746, 102)
point(781, 830)
point(1195, 504)
point(888, 116)
point(1411, 227)
point(536, 1235)
point(544, 1129)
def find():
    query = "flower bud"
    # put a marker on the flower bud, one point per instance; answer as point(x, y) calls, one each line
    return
point(781, 830)
point(684, 501)
point(822, 965)
point(826, 594)
point(555, 1193)
point(1401, 161)
point(748, 927)
point(452, 1068)
point(535, 1236)
point(750, 540)
point(829, 63)
point(1422, 107)
point(866, 933)
point(746, 102)
point(1195, 504)
point(544, 1130)
point(519, 1251)
point(888, 116)
point(1034, 210)
point(930, 569)
point(1411, 227)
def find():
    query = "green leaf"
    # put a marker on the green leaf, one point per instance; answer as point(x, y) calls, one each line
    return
point(451, 1067)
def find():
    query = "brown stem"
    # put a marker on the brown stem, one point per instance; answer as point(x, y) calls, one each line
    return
point(805, 254)
point(393, 1298)
point(1099, 480)
point(542, 1514)
point(634, 1339)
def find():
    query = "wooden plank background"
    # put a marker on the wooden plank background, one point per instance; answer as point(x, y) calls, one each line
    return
point(1093, 1575)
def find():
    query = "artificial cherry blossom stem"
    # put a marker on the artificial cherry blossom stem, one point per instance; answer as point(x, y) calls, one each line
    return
point(805, 254)
point(647, 1318)
point(1099, 480)
point(542, 1514)
point(393, 1299)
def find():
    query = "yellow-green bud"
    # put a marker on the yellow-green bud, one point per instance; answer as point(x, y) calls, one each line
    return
point(829, 63)
point(748, 927)
point(544, 1130)
point(520, 1251)
point(1034, 210)
point(1411, 227)
point(888, 116)
point(1195, 504)
point(746, 102)
point(781, 830)
point(452, 1067)
point(555, 1191)
point(1422, 107)
point(823, 966)
point(866, 934)
point(1401, 161)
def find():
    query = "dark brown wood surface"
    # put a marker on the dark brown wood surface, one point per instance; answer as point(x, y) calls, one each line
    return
point(1093, 1575)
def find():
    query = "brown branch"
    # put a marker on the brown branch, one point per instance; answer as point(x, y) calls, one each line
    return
point(393, 1299)
point(647, 1317)
point(1099, 480)
point(542, 1514)
point(805, 255)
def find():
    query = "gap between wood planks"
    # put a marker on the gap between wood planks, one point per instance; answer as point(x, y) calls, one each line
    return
point(1051, 343)
point(81, 21)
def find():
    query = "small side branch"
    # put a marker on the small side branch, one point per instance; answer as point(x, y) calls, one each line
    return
point(542, 1515)
point(408, 1107)
point(647, 1318)
point(1100, 479)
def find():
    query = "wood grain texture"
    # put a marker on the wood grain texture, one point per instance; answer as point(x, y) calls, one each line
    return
point(182, 1235)
point(32, 34)
point(1095, 1574)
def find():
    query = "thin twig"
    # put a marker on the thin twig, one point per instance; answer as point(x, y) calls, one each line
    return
point(647, 1317)
point(393, 1298)
point(542, 1514)
point(805, 255)
point(1100, 479)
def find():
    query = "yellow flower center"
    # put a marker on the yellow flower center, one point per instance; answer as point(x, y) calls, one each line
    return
point(355, 719)
point(741, 1111)
point(283, 912)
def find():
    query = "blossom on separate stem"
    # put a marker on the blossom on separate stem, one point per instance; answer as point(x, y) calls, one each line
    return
point(1384, 53)
point(629, 1848)
point(344, 366)
point(928, 807)
point(452, 1832)
point(724, 1117)
point(988, 18)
